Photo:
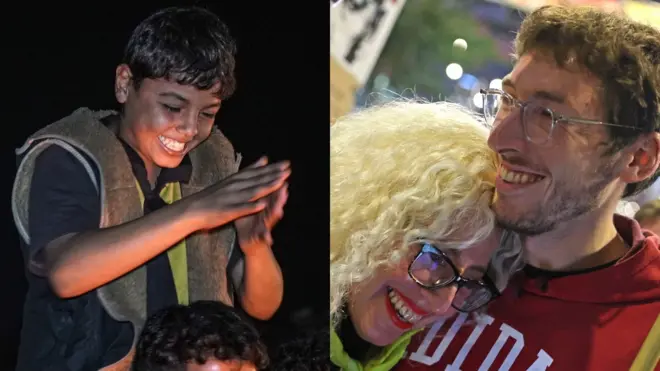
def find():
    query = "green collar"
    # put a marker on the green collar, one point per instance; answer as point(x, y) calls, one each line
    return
point(388, 358)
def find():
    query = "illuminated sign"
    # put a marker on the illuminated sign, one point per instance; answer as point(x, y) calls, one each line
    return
point(358, 32)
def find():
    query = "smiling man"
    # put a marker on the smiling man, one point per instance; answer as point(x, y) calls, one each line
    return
point(125, 213)
point(577, 126)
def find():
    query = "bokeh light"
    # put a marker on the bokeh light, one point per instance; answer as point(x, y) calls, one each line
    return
point(454, 71)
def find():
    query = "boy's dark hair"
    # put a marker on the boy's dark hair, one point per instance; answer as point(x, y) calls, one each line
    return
point(189, 45)
point(623, 54)
point(176, 335)
point(308, 352)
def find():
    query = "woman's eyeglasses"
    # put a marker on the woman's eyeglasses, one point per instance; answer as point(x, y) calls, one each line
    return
point(433, 269)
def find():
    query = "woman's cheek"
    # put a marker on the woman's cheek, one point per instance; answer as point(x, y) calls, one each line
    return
point(431, 319)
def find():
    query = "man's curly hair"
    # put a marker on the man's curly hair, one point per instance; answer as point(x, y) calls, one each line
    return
point(622, 53)
point(177, 335)
point(308, 352)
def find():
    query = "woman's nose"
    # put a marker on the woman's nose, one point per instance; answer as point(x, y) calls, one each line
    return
point(439, 300)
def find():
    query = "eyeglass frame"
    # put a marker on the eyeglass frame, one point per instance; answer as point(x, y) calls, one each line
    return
point(457, 279)
point(553, 115)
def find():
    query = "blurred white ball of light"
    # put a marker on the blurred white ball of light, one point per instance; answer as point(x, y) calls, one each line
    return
point(460, 44)
point(454, 71)
point(496, 84)
point(478, 100)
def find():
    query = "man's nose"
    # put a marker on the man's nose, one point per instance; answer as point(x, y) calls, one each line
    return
point(507, 133)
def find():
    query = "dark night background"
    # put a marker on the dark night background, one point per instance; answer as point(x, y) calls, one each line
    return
point(57, 59)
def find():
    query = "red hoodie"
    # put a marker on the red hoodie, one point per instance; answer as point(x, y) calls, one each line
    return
point(595, 321)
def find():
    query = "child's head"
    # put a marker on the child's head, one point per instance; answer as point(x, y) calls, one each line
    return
point(199, 337)
point(178, 67)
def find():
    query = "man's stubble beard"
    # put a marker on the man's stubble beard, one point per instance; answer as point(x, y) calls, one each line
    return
point(565, 203)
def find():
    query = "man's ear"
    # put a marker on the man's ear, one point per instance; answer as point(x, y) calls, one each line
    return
point(123, 78)
point(645, 159)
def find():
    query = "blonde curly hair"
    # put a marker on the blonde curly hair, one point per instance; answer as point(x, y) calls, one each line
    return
point(401, 172)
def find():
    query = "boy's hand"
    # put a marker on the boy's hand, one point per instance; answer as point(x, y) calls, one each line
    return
point(255, 229)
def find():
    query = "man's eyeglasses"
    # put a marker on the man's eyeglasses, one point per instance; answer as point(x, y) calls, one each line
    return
point(433, 269)
point(538, 121)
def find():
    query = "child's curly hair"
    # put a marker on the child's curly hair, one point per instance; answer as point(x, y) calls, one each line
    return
point(177, 335)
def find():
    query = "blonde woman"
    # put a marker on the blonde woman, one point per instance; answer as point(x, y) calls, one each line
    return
point(412, 232)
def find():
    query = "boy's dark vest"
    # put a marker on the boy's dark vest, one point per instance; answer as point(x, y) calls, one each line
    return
point(207, 253)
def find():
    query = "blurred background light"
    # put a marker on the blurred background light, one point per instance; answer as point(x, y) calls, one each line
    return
point(454, 71)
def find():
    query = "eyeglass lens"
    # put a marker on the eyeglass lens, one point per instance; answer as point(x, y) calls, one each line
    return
point(537, 120)
point(432, 269)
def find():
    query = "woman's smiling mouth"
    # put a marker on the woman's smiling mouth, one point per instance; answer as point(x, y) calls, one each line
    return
point(403, 312)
